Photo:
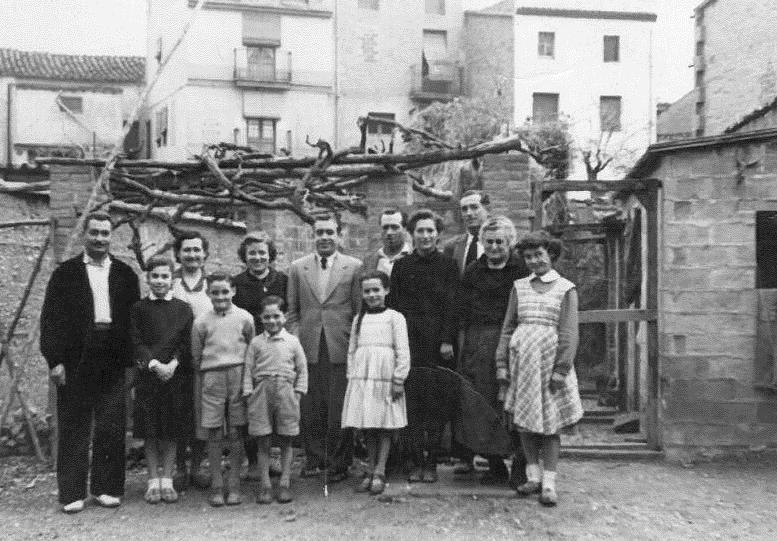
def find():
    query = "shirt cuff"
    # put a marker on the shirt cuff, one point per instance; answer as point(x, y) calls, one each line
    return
point(501, 374)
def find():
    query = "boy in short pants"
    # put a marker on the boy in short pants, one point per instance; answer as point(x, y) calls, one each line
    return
point(275, 377)
point(219, 341)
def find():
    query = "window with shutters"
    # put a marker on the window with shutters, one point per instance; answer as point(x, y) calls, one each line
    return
point(544, 107)
point(261, 63)
point(260, 134)
point(610, 113)
point(546, 44)
point(612, 52)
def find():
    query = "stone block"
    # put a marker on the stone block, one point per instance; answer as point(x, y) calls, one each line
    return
point(739, 278)
point(714, 324)
point(732, 345)
point(690, 188)
point(733, 233)
point(710, 302)
point(680, 279)
point(678, 408)
point(679, 234)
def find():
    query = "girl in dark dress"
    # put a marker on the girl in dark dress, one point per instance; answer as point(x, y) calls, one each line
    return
point(161, 336)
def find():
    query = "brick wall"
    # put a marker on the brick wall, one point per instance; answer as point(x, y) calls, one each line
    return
point(740, 74)
point(709, 304)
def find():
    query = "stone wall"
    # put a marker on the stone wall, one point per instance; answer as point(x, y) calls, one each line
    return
point(488, 58)
point(709, 301)
point(740, 74)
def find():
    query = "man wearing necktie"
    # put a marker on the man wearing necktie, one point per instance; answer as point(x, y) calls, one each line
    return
point(323, 296)
point(466, 248)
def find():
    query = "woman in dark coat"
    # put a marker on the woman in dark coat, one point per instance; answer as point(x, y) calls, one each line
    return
point(424, 285)
point(485, 290)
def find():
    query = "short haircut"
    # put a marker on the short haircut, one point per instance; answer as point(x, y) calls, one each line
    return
point(257, 236)
point(541, 239)
point(97, 215)
point(188, 235)
point(272, 300)
point(424, 214)
point(326, 216)
point(484, 199)
point(500, 223)
point(376, 274)
point(391, 211)
point(159, 261)
point(219, 277)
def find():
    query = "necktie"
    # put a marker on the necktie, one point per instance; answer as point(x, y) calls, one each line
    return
point(323, 262)
point(472, 251)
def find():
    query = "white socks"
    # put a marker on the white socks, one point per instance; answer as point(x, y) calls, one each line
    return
point(166, 482)
point(549, 479)
point(533, 473)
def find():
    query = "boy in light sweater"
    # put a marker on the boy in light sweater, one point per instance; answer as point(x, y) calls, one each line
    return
point(275, 377)
point(219, 341)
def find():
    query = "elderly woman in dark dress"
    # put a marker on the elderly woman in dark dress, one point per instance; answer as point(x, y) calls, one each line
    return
point(257, 251)
point(424, 285)
point(485, 290)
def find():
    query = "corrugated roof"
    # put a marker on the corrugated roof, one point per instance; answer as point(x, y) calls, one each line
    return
point(66, 67)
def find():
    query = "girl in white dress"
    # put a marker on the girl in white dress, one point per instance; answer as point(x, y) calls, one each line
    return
point(378, 363)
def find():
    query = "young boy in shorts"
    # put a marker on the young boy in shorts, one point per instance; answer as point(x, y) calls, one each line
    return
point(275, 378)
point(219, 341)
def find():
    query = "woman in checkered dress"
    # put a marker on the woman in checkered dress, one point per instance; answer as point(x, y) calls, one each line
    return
point(539, 338)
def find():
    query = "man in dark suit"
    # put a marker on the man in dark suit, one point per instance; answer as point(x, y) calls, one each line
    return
point(324, 295)
point(466, 248)
point(84, 336)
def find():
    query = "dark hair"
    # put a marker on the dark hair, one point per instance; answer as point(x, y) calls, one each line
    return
point(372, 275)
point(393, 210)
point(541, 239)
point(484, 199)
point(219, 277)
point(159, 261)
point(326, 216)
point(272, 300)
point(424, 214)
point(189, 235)
point(97, 215)
point(257, 236)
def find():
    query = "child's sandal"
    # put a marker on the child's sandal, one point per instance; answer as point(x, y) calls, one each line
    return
point(366, 482)
point(167, 491)
point(153, 493)
point(378, 484)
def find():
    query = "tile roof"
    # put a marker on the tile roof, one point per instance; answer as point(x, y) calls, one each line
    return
point(67, 67)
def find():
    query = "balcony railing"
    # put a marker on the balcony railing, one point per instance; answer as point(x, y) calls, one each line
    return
point(435, 81)
point(274, 75)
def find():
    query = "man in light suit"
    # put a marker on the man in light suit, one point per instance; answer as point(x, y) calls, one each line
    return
point(466, 248)
point(324, 295)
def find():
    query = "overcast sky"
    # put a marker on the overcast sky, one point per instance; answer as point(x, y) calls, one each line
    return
point(117, 27)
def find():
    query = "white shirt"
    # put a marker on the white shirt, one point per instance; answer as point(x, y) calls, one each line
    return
point(386, 262)
point(466, 249)
point(323, 274)
point(98, 281)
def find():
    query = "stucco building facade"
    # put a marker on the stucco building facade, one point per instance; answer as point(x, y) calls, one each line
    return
point(271, 73)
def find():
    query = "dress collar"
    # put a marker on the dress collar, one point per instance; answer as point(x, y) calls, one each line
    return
point(283, 335)
point(167, 297)
point(199, 286)
point(548, 277)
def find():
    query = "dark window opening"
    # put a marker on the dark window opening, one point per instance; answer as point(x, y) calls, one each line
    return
point(766, 249)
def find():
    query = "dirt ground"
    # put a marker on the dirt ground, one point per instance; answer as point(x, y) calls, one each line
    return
point(599, 500)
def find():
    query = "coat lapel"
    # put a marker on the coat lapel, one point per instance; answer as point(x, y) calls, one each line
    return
point(458, 253)
point(310, 272)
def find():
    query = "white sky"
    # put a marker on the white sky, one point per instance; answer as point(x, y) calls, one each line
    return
point(117, 27)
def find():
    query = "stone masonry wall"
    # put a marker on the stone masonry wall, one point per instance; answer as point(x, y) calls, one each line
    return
point(488, 56)
point(740, 73)
point(708, 301)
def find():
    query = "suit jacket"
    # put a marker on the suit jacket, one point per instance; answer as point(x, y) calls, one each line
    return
point(67, 315)
point(454, 249)
point(309, 313)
